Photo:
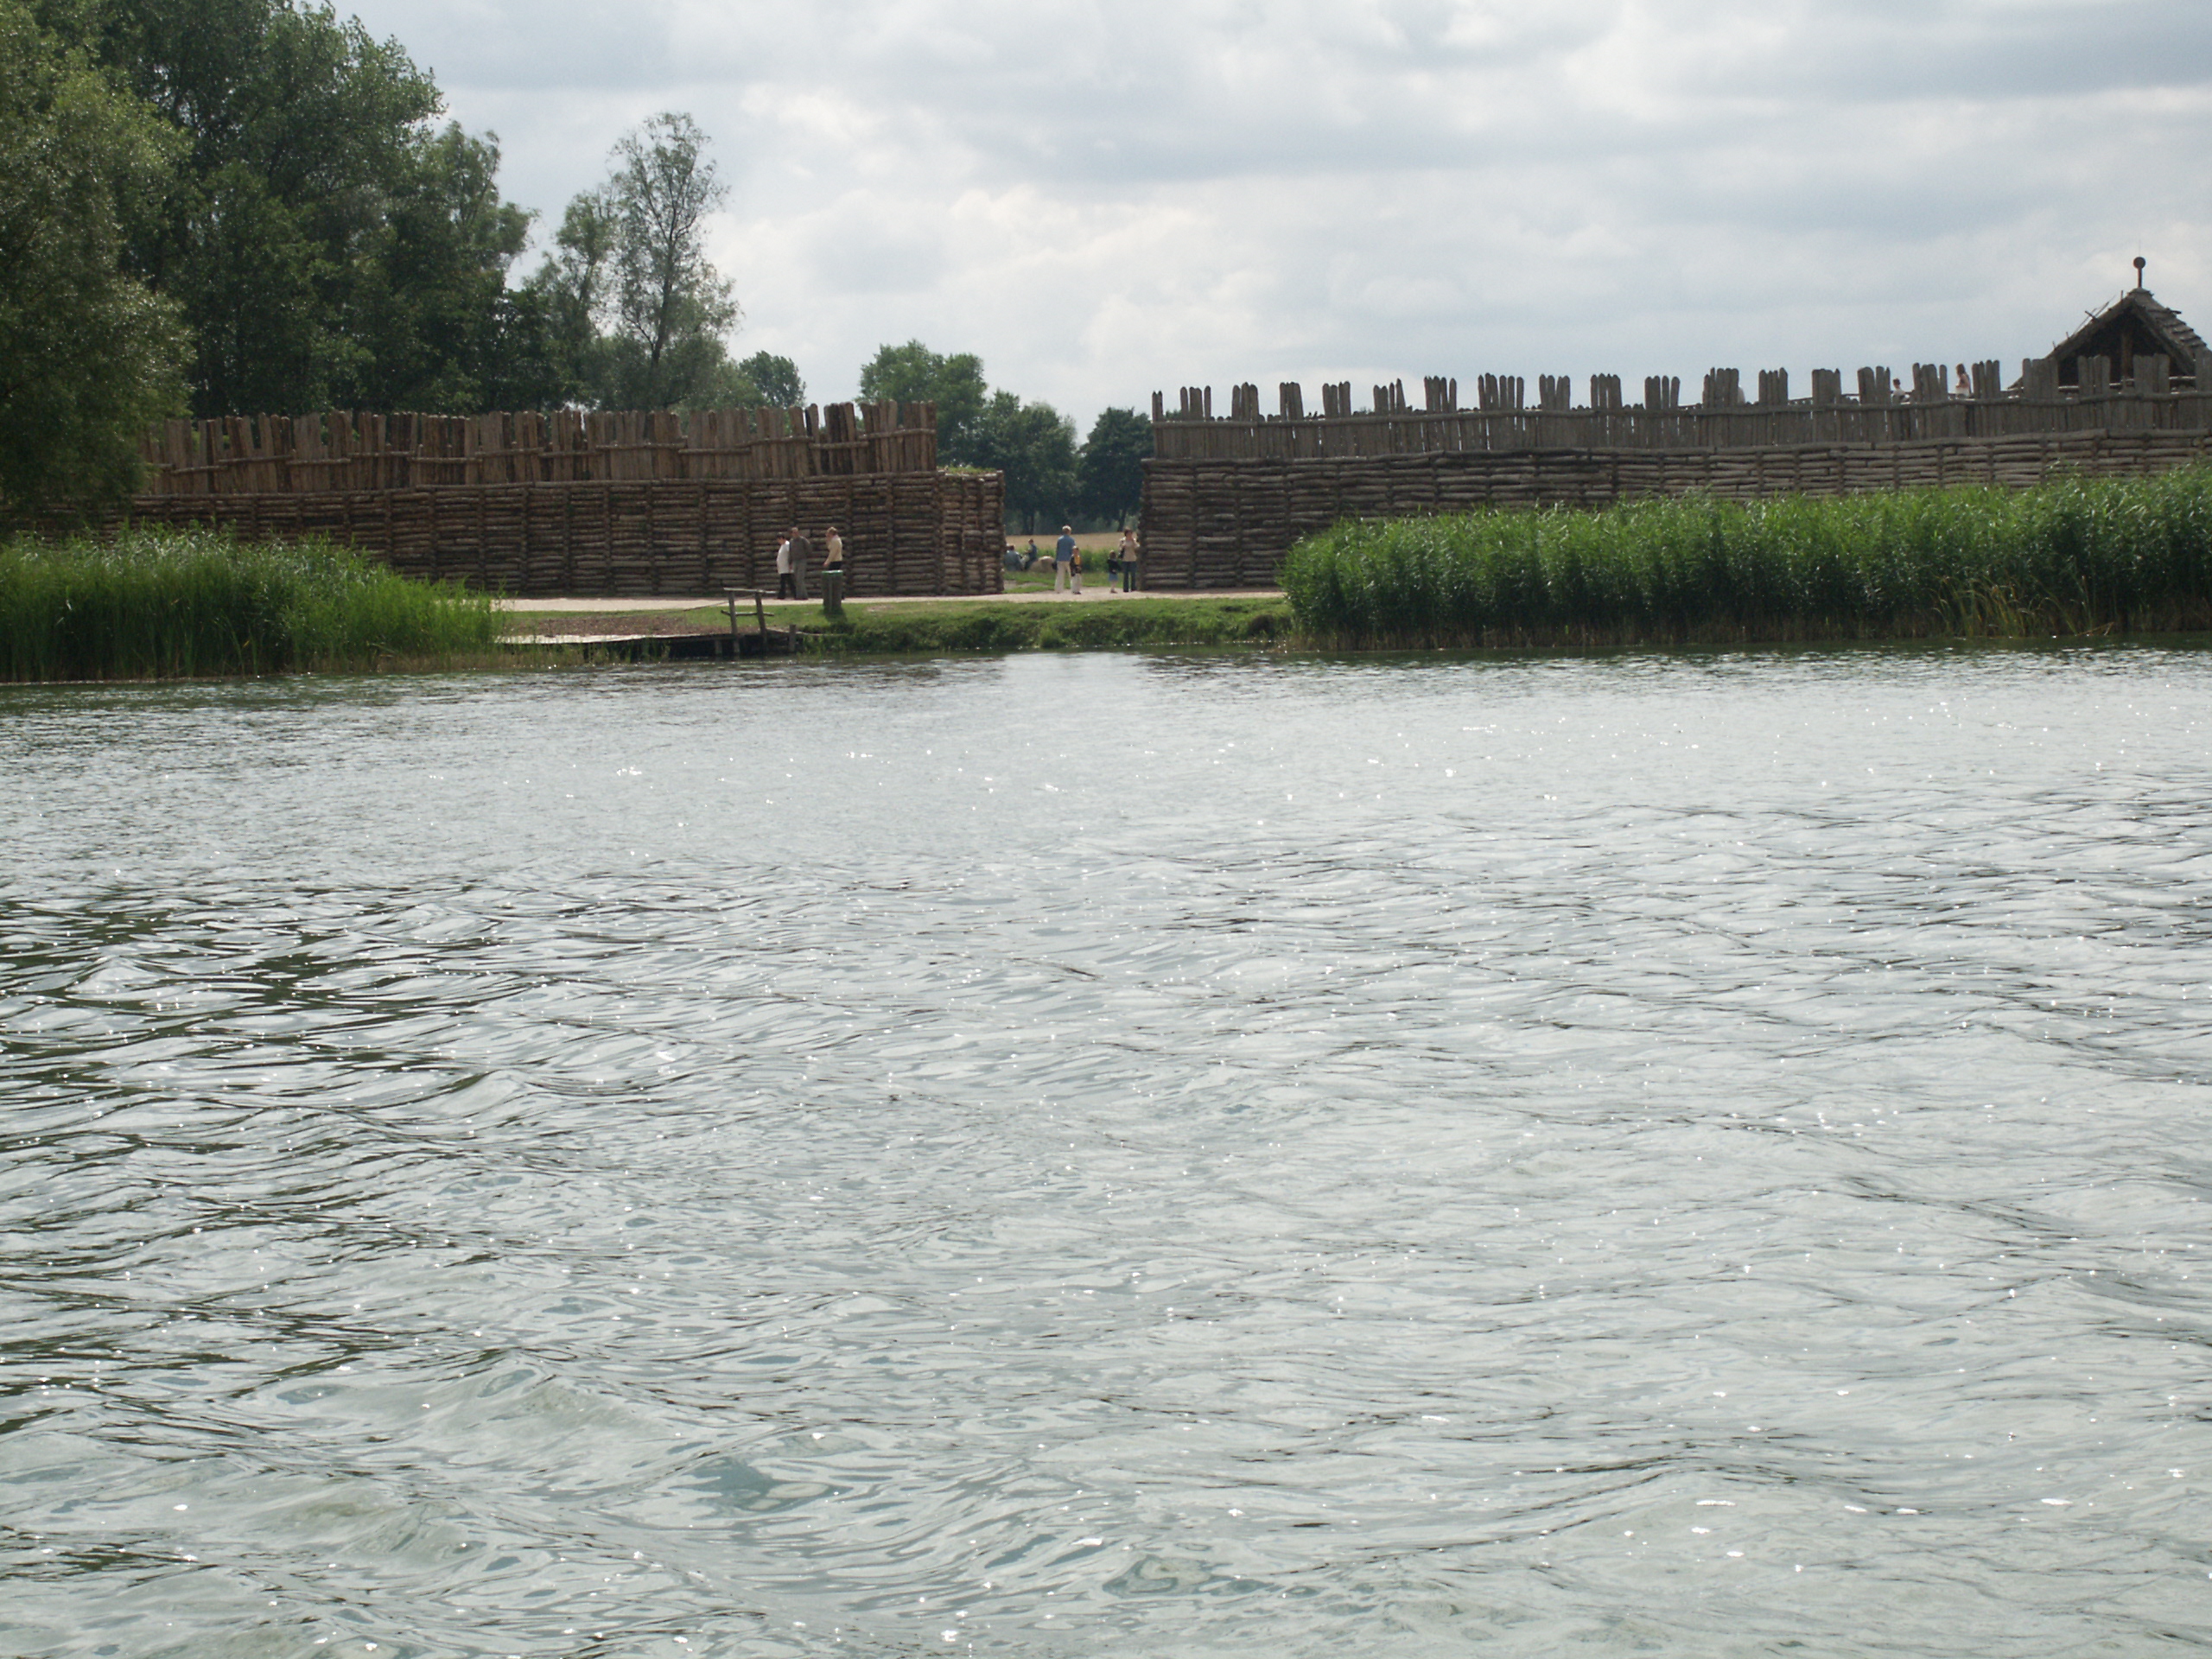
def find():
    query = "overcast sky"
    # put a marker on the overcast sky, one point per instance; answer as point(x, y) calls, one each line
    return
point(1104, 199)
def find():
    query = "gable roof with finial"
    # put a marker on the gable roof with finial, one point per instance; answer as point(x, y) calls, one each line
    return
point(2134, 325)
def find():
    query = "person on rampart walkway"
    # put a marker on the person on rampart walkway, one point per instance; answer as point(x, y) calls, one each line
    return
point(1064, 564)
point(1128, 552)
point(802, 551)
point(783, 569)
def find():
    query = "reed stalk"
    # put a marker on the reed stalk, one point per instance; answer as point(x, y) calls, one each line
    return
point(2070, 557)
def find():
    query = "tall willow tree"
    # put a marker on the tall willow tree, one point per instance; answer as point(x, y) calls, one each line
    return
point(643, 311)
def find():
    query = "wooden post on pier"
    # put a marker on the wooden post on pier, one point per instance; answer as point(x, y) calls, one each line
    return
point(759, 622)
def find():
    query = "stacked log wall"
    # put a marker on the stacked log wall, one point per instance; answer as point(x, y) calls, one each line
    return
point(1224, 523)
point(2152, 399)
point(342, 451)
point(905, 533)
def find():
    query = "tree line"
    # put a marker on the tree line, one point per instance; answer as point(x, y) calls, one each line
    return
point(1048, 475)
point(239, 207)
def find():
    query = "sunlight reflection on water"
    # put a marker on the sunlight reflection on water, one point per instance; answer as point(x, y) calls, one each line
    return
point(1680, 1153)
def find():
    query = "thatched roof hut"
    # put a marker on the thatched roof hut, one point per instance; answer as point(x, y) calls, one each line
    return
point(2135, 325)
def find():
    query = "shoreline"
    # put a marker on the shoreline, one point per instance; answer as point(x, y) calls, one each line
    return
point(908, 626)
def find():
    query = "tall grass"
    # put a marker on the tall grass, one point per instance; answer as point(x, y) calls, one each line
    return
point(2070, 557)
point(181, 603)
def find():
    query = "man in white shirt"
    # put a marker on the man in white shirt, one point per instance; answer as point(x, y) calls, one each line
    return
point(802, 551)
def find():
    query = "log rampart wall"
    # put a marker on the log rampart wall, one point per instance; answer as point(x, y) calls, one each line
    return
point(908, 532)
point(1878, 412)
point(1225, 498)
point(1227, 521)
point(345, 450)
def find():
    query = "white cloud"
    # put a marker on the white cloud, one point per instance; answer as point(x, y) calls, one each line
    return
point(1102, 199)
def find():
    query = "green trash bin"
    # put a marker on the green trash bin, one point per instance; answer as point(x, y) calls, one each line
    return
point(833, 593)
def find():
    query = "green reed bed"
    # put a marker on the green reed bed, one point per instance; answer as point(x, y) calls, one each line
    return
point(2067, 558)
point(185, 603)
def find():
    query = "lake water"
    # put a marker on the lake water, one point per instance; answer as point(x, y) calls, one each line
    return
point(1690, 1154)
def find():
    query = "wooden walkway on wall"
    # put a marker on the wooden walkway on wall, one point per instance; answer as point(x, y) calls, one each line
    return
point(905, 533)
point(1227, 522)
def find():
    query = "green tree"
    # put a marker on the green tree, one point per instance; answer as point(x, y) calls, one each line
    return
point(775, 379)
point(430, 320)
point(88, 356)
point(570, 287)
point(324, 242)
point(293, 124)
point(670, 308)
point(634, 302)
point(913, 373)
point(1034, 446)
point(1109, 474)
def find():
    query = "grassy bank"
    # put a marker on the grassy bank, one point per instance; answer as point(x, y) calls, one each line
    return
point(2067, 558)
point(180, 604)
point(911, 630)
point(937, 627)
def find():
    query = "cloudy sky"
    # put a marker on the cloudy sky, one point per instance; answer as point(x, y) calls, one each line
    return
point(1103, 199)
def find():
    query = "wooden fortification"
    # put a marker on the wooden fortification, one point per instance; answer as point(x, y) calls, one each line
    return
point(596, 504)
point(1226, 496)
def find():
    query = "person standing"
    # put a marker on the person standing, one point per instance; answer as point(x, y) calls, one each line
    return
point(802, 551)
point(833, 551)
point(1129, 560)
point(1067, 567)
point(783, 569)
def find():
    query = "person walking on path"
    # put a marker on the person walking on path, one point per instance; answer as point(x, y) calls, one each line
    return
point(783, 569)
point(802, 551)
point(1129, 560)
point(1064, 563)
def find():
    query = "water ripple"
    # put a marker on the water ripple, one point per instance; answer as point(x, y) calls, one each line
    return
point(1692, 1153)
